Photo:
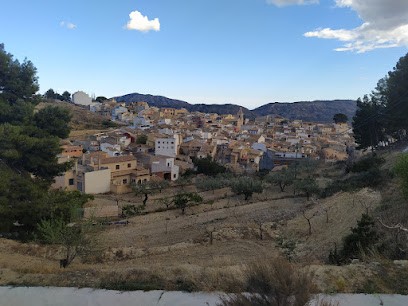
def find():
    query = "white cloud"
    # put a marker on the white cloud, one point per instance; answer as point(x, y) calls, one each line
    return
point(291, 2)
point(68, 25)
point(142, 23)
point(385, 26)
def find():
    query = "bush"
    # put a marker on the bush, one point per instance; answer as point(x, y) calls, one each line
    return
point(371, 178)
point(213, 183)
point(246, 186)
point(208, 167)
point(363, 238)
point(133, 210)
point(401, 169)
point(108, 124)
point(273, 282)
point(367, 163)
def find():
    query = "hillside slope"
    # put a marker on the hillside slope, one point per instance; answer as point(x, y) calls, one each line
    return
point(322, 111)
point(304, 110)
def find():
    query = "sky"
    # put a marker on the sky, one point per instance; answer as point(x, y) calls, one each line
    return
point(246, 52)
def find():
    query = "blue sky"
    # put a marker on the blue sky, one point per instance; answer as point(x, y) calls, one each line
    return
point(247, 52)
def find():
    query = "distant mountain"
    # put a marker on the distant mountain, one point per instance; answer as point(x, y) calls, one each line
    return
point(322, 111)
point(160, 101)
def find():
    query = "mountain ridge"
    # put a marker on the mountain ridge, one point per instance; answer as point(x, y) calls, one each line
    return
point(318, 110)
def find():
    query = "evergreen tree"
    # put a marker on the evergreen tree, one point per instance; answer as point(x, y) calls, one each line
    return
point(340, 118)
point(368, 124)
point(395, 94)
point(29, 145)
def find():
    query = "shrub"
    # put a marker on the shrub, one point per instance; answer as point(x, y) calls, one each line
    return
point(246, 186)
point(371, 178)
point(363, 238)
point(367, 163)
point(401, 169)
point(273, 282)
point(133, 210)
point(208, 167)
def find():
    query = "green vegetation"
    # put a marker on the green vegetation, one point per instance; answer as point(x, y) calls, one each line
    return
point(340, 118)
point(401, 169)
point(133, 210)
point(100, 99)
point(28, 151)
point(385, 111)
point(184, 200)
point(108, 124)
point(208, 167)
point(51, 95)
point(142, 139)
point(363, 239)
point(282, 178)
point(308, 186)
point(367, 163)
point(365, 172)
point(213, 183)
point(247, 186)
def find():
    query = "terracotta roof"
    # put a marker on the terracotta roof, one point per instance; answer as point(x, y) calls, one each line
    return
point(118, 159)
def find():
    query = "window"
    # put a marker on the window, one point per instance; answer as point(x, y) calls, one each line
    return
point(129, 165)
point(158, 142)
point(172, 142)
point(117, 167)
point(124, 181)
point(133, 180)
point(71, 182)
point(174, 175)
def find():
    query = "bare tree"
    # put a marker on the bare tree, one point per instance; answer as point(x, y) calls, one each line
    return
point(396, 226)
point(308, 219)
point(260, 221)
point(366, 205)
point(165, 201)
point(167, 223)
point(210, 230)
point(326, 209)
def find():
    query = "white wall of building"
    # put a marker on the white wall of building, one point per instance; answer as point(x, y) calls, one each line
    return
point(166, 146)
point(166, 165)
point(112, 150)
point(81, 98)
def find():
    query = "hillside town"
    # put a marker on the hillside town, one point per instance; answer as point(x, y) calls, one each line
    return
point(161, 144)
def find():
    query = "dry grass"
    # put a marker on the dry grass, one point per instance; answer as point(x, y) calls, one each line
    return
point(273, 282)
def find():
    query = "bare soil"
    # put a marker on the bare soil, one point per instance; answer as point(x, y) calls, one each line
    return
point(184, 253)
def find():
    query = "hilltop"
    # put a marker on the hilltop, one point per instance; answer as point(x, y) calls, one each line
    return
point(82, 118)
point(321, 111)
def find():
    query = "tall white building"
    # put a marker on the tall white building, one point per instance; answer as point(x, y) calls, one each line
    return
point(166, 146)
point(81, 98)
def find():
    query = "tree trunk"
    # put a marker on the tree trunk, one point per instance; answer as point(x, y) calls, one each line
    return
point(145, 199)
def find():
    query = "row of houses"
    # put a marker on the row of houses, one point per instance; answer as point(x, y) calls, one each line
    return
point(160, 143)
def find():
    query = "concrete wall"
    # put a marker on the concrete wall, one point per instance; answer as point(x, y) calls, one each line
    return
point(97, 181)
